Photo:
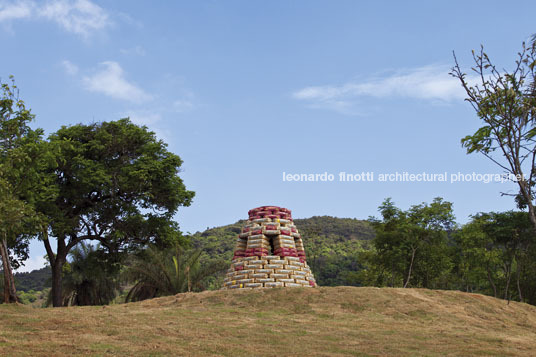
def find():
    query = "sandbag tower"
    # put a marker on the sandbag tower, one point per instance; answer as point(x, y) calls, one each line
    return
point(269, 253)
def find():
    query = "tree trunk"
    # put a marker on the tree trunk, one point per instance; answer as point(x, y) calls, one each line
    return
point(392, 275)
point(188, 277)
point(7, 299)
point(524, 188)
point(57, 278)
point(532, 213)
point(413, 250)
point(492, 284)
point(518, 273)
point(508, 271)
point(10, 292)
point(56, 263)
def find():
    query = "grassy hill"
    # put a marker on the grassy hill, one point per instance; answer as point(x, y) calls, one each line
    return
point(331, 244)
point(279, 322)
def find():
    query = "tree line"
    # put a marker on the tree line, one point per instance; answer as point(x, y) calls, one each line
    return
point(423, 247)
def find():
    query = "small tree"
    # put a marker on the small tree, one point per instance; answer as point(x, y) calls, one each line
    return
point(505, 101)
point(412, 245)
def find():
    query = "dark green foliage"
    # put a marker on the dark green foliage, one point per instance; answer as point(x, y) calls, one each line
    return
point(494, 254)
point(21, 156)
point(337, 230)
point(411, 248)
point(497, 255)
point(91, 277)
point(156, 272)
point(35, 280)
point(117, 185)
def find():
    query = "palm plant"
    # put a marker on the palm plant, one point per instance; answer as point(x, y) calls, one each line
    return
point(167, 272)
point(89, 279)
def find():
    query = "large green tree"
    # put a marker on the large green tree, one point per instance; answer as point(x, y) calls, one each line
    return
point(117, 185)
point(505, 102)
point(21, 153)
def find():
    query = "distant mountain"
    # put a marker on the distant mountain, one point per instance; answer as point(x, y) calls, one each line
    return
point(331, 245)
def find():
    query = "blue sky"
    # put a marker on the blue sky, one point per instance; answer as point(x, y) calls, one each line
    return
point(246, 90)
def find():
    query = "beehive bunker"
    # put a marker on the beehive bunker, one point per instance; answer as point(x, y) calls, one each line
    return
point(269, 253)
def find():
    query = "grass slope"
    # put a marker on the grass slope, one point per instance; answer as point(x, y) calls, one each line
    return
point(279, 322)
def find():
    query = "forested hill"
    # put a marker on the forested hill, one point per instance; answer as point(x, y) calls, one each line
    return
point(336, 229)
point(35, 280)
point(331, 245)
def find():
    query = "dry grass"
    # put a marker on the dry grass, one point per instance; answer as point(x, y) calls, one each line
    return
point(279, 322)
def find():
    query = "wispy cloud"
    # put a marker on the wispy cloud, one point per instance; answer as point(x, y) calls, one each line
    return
point(81, 17)
point(69, 67)
point(425, 83)
point(110, 80)
point(143, 108)
point(15, 10)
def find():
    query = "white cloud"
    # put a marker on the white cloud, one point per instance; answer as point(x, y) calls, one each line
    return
point(110, 80)
point(69, 67)
point(426, 83)
point(14, 11)
point(81, 17)
point(33, 263)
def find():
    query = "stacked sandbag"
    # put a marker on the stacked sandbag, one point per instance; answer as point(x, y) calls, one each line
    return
point(269, 253)
point(268, 271)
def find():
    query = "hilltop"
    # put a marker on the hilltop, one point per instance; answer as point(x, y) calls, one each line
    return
point(279, 322)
